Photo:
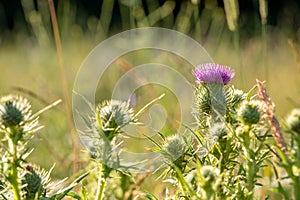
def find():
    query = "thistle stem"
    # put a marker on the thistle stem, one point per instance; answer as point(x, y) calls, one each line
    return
point(13, 176)
point(296, 179)
point(250, 162)
point(104, 172)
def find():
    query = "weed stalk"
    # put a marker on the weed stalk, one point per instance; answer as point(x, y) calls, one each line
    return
point(64, 83)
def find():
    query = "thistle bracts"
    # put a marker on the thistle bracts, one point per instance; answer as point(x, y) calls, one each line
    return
point(16, 118)
point(112, 115)
point(210, 94)
point(250, 112)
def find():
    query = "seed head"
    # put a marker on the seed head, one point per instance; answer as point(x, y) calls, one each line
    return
point(218, 129)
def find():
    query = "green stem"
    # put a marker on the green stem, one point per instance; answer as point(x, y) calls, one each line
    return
point(13, 176)
point(296, 179)
point(104, 172)
point(250, 159)
point(296, 187)
point(14, 183)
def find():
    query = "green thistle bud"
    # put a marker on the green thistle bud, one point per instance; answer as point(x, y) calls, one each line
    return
point(114, 114)
point(234, 97)
point(174, 150)
point(218, 129)
point(32, 183)
point(293, 120)
point(14, 110)
point(175, 146)
point(209, 175)
point(250, 113)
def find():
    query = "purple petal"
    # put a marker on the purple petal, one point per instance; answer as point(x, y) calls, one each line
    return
point(213, 73)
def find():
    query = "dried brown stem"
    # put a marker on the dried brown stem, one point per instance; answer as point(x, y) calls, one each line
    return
point(63, 75)
point(134, 187)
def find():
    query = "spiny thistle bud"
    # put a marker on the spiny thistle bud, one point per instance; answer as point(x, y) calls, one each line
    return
point(36, 180)
point(293, 120)
point(32, 183)
point(234, 97)
point(174, 147)
point(218, 129)
point(250, 112)
point(114, 113)
point(14, 110)
point(209, 175)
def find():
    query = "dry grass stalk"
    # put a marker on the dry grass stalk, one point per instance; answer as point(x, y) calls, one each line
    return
point(133, 191)
point(63, 75)
point(269, 109)
point(232, 13)
point(263, 10)
point(295, 52)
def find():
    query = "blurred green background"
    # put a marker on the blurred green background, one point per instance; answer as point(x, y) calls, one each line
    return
point(257, 38)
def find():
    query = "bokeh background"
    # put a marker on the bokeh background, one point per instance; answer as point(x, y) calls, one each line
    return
point(257, 38)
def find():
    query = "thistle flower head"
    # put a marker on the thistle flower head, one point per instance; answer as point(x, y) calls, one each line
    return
point(14, 110)
point(250, 112)
point(114, 114)
point(293, 120)
point(213, 73)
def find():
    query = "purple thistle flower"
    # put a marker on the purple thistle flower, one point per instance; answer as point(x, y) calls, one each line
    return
point(213, 73)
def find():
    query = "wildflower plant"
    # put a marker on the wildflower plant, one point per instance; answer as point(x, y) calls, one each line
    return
point(235, 141)
point(18, 179)
point(223, 156)
point(105, 133)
